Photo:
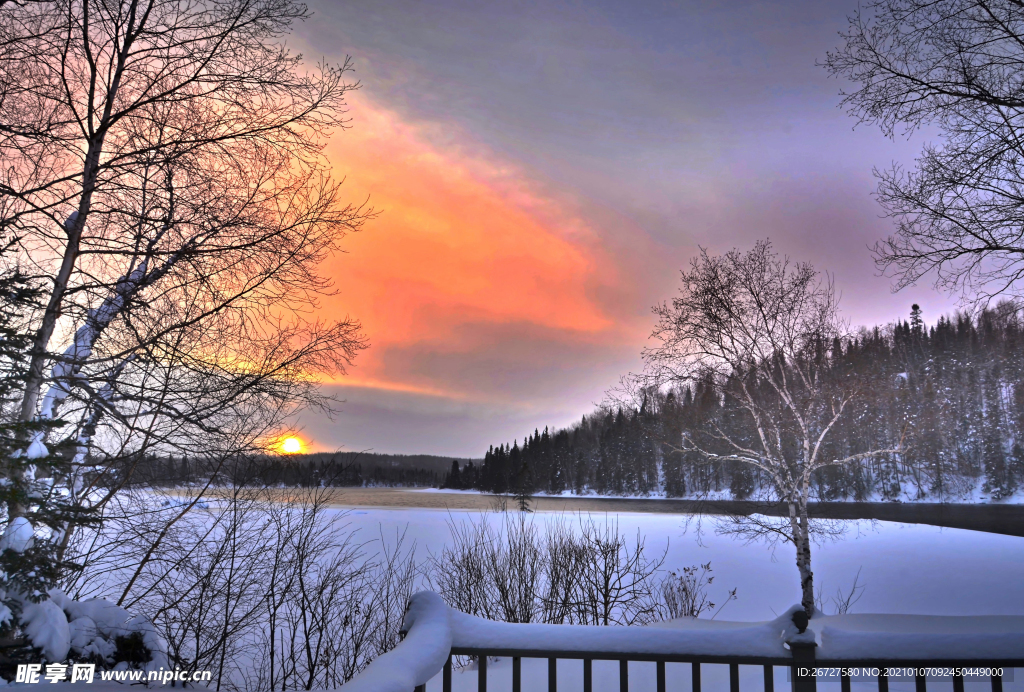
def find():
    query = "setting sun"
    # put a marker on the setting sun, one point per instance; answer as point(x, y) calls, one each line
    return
point(291, 445)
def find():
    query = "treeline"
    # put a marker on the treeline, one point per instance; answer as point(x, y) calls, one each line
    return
point(950, 397)
point(344, 469)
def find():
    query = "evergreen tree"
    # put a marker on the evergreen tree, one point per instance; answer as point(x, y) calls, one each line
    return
point(453, 479)
point(30, 545)
point(953, 393)
point(999, 481)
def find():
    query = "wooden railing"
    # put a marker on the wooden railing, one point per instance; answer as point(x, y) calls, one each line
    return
point(802, 657)
point(435, 634)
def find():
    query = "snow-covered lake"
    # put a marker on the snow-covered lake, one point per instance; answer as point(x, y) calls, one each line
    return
point(905, 568)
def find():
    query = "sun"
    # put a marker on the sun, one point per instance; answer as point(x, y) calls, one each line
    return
point(291, 445)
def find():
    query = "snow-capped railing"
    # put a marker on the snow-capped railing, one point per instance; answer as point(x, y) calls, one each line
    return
point(912, 645)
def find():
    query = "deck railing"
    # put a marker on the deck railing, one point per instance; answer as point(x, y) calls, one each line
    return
point(436, 633)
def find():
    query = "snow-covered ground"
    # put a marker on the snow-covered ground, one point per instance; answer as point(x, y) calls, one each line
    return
point(908, 569)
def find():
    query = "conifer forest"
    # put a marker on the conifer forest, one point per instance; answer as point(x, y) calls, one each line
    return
point(951, 397)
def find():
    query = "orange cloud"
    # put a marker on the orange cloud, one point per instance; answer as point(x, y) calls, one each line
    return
point(461, 239)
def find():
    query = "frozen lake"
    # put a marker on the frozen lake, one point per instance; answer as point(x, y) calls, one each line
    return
point(906, 568)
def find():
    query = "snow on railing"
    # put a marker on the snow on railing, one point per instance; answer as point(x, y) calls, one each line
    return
point(435, 632)
point(419, 657)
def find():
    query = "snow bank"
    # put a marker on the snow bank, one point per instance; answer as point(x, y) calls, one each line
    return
point(421, 654)
point(849, 637)
point(47, 628)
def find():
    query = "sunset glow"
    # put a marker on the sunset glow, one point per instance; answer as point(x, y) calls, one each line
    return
point(291, 445)
point(525, 222)
point(465, 245)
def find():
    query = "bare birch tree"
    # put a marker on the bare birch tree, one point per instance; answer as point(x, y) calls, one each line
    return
point(761, 330)
point(163, 170)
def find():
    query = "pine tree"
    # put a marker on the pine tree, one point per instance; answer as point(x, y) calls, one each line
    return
point(454, 478)
point(30, 545)
point(524, 482)
point(999, 482)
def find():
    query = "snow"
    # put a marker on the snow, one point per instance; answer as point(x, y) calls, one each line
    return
point(420, 655)
point(47, 628)
point(907, 568)
point(912, 573)
point(854, 636)
point(36, 449)
point(95, 623)
point(690, 636)
point(18, 536)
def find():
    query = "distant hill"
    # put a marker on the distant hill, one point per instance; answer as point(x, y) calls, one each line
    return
point(322, 468)
point(372, 460)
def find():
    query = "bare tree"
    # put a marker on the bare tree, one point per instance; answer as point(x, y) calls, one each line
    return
point(163, 170)
point(761, 331)
point(957, 65)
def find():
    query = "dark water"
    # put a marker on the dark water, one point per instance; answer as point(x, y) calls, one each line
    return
point(1007, 519)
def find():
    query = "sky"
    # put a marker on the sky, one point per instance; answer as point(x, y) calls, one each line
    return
point(542, 172)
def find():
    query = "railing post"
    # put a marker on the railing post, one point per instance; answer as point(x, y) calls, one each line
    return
point(481, 668)
point(803, 657)
point(446, 677)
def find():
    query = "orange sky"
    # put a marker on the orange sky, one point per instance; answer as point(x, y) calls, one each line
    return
point(544, 172)
point(464, 245)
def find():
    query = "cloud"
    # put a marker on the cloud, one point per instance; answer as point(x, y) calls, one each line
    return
point(398, 422)
point(473, 282)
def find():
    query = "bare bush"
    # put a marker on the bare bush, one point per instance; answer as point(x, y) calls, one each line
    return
point(685, 592)
point(592, 575)
point(617, 584)
point(238, 579)
point(514, 567)
point(843, 600)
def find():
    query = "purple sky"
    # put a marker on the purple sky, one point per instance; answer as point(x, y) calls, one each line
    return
point(545, 169)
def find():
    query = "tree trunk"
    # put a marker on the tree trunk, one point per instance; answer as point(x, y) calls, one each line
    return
point(802, 540)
